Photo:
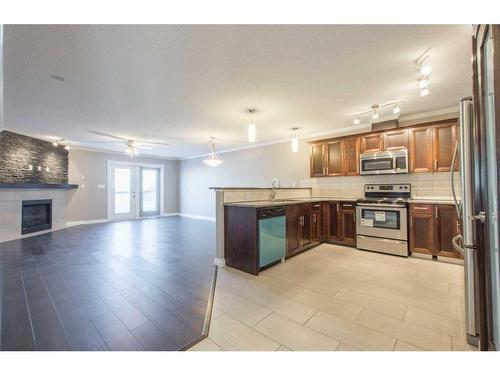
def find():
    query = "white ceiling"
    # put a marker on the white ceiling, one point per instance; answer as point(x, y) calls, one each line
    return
point(163, 82)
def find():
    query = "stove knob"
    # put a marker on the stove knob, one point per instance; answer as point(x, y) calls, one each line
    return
point(400, 187)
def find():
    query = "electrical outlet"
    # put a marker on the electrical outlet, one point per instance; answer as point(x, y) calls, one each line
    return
point(82, 177)
point(82, 186)
point(47, 169)
point(30, 167)
point(39, 168)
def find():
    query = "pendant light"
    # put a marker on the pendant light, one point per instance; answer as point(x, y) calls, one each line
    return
point(212, 160)
point(375, 112)
point(295, 141)
point(252, 130)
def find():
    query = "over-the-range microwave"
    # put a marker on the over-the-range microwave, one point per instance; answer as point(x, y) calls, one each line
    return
point(384, 162)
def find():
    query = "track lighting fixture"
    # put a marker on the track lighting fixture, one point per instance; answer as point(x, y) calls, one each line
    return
point(424, 68)
point(424, 92)
point(55, 144)
point(375, 109)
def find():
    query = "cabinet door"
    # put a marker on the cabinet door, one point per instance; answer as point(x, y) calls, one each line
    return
point(371, 142)
point(348, 223)
point(332, 221)
point(317, 222)
point(445, 138)
point(351, 158)
point(396, 140)
point(422, 229)
point(421, 150)
point(293, 229)
point(446, 228)
point(317, 157)
point(335, 158)
point(306, 227)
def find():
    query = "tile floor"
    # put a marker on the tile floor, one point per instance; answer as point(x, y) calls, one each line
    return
point(339, 298)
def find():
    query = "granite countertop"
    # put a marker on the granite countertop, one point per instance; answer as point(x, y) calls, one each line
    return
point(256, 188)
point(286, 202)
point(432, 200)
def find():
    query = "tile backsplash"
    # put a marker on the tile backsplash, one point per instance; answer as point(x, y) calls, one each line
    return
point(252, 194)
point(423, 185)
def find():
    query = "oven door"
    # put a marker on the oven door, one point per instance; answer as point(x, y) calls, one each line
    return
point(384, 221)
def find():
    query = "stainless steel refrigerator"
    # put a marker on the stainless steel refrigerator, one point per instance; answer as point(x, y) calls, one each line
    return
point(478, 206)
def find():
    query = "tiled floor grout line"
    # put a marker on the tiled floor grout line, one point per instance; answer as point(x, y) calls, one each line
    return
point(28, 309)
point(53, 304)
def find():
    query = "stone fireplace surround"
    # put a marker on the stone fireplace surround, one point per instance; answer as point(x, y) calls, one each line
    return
point(11, 202)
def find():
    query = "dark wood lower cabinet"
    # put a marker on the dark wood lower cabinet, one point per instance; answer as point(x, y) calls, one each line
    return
point(317, 222)
point(432, 227)
point(340, 223)
point(299, 228)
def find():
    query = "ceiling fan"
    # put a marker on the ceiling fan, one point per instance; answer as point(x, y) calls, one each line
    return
point(132, 145)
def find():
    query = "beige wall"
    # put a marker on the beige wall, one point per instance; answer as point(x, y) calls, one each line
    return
point(254, 167)
point(90, 202)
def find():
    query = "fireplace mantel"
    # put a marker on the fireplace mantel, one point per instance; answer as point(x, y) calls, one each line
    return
point(4, 185)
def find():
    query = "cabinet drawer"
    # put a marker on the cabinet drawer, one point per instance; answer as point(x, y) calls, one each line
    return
point(348, 205)
point(421, 209)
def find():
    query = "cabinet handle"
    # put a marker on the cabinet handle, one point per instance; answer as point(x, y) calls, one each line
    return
point(435, 165)
point(411, 221)
point(436, 211)
point(419, 208)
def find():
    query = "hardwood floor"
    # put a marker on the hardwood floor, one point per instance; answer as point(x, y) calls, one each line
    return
point(129, 285)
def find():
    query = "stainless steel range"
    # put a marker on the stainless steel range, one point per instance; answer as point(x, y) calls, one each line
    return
point(382, 217)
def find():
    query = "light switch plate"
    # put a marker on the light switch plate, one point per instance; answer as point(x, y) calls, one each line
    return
point(47, 169)
point(39, 168)
point(82, 186)
point(82, 177)
point(30, 167)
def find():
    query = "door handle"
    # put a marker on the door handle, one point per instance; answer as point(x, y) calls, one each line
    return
point(481, 216)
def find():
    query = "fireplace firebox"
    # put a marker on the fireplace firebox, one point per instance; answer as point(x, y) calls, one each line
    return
point(36, 215)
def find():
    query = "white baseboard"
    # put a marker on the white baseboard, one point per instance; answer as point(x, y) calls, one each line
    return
point(209, 218)
point(98, 221)
point(221, 262)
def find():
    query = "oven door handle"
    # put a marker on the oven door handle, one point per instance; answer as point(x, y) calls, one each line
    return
point(396, 207)
point(385, 240)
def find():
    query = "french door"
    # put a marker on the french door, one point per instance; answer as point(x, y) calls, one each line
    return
point(133, 191)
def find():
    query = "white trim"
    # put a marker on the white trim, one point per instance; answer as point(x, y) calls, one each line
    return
point(137, 165)
point(99, 221)
point(221, 262)
point(452, 111)
point(209, 218)
point(113, 152)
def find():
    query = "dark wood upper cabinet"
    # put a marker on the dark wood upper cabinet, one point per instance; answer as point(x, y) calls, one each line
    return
point(446, 228)
point(422, 228)
point(335, 158)
point(421, 150)
point(317, 159)
point(351, 159)
point(445, 138)
point(371, 142)
point(396, 139)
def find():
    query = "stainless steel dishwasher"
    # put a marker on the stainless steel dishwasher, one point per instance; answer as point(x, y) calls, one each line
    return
point(272, 236)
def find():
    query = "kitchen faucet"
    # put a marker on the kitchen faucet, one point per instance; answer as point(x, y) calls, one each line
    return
point(275, 183)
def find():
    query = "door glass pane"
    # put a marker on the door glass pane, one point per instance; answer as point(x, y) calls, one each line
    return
point(491, 166)
point(149, 190)
point(122, 190)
